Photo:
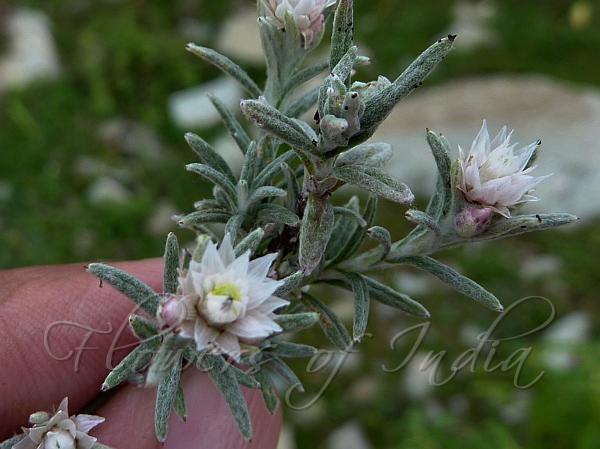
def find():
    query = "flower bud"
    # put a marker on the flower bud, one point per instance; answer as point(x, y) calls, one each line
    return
point(172, 312)
point(473, 220)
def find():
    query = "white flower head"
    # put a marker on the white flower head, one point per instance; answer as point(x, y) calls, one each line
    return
point(224, 300)
point(61, 431)
point(308, 15)
point(495, 174)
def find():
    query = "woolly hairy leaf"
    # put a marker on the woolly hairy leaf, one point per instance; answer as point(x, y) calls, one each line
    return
point(317, 225)
point(332, 326)
point(375, 181)
point(171, 262)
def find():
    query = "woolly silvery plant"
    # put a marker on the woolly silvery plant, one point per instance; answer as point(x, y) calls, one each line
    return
point(266, 236)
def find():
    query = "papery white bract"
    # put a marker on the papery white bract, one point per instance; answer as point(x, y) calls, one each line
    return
point(61, 431)
point(224, 300)
point(308, 15)
point(495, 174)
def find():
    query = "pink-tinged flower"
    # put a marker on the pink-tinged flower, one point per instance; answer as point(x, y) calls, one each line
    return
point(223, 300)
point(60, 431)
point(495, 174)
point(473, 220)
point(308, 15)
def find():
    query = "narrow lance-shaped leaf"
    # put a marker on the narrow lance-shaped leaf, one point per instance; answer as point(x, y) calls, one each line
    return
point(250, 242)
point(375, 181)
point(216, 178)
point(274, 213)
point(423, 219)
point(522, 224)
point(265, 192)
point(134, 361)
point(379, 106)
point(143, 328)
point(297, 321)
point(165, 399)
point(196, 219)
point(136, 290)
point(317, 225)
point(383, 237)
point(171, 263)
point(361, 304)
point(249, 166)
point(343, 31)
point(179, 405)
point(208, 155)
point(227, 66)
point(354, 215)
point(455, 280)
point(442, 198)
point(288, 349)
point(272, 169)
point(268, 389)
point(233, 126)
point(375, 154)
point(285, 372)
point(290, 283)
point(226, 381)
point(293, 186)
point(303, 103)
point(332, 326)
point(305, 75)
point(270, 119)
point(390, 297)
point(233, 227)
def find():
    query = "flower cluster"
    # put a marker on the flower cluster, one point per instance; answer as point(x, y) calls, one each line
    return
point(307, 14)
point(495, 174)
point(60, 431)
point(223, 300)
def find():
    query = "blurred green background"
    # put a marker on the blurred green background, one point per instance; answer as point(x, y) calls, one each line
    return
point(91, 167)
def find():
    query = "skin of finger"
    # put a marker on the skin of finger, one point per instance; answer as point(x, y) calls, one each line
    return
point(45, 315)
point(130, 419)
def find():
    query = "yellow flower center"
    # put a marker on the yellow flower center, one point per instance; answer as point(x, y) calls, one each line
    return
point(229, 290)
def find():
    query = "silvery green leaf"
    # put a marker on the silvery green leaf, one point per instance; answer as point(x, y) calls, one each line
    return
point(376, 154)
point(333, 133)
point(343, 231)
point(250, 242)
point(285, 372)
point(265, 192)
point(179, 405)
point(187, 258)
point(296, 321)
point(233, 126)
point(303, 103)
point(379, 106)
point(223, 199)
point(521, 224)
point(244, 378)
point(242, 189)
point(333, 328)
point(315, 231)
point(136, 290)
point(227, 66)
point(352, 214)
point(375, 181)
point(455, 280)
point(343, 31)
point(193, 220)
point(274, 213)
point(165, 399)
point(390, 297)
point(142, 328)
point(271, 120)
point(216, 178)
point(305, 75)
point(292, 350)
point(441, 200)
point(248, 171)
point(268, 389)
point(207, 204)
point(292, 184)
point(383, 237)
point(355, 236)
point(361, 304)
point(208, 155)
point(272, 169)
point(422, 219)
point(290, 283)
point(226, 381)
point(344, 67)
point(134, 361)
point(233, 226)
point(171, 263)
point(8, 444)
point(168, 355)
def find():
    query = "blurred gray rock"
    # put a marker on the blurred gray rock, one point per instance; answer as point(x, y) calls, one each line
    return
point(239, 37)
point(107, 190)
point(349, 436)
point(472, 23)
point(192, 108)
point(161, 221)
point(131, 137)
point(31, 54)
point(565, 117)
point(562, 338)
